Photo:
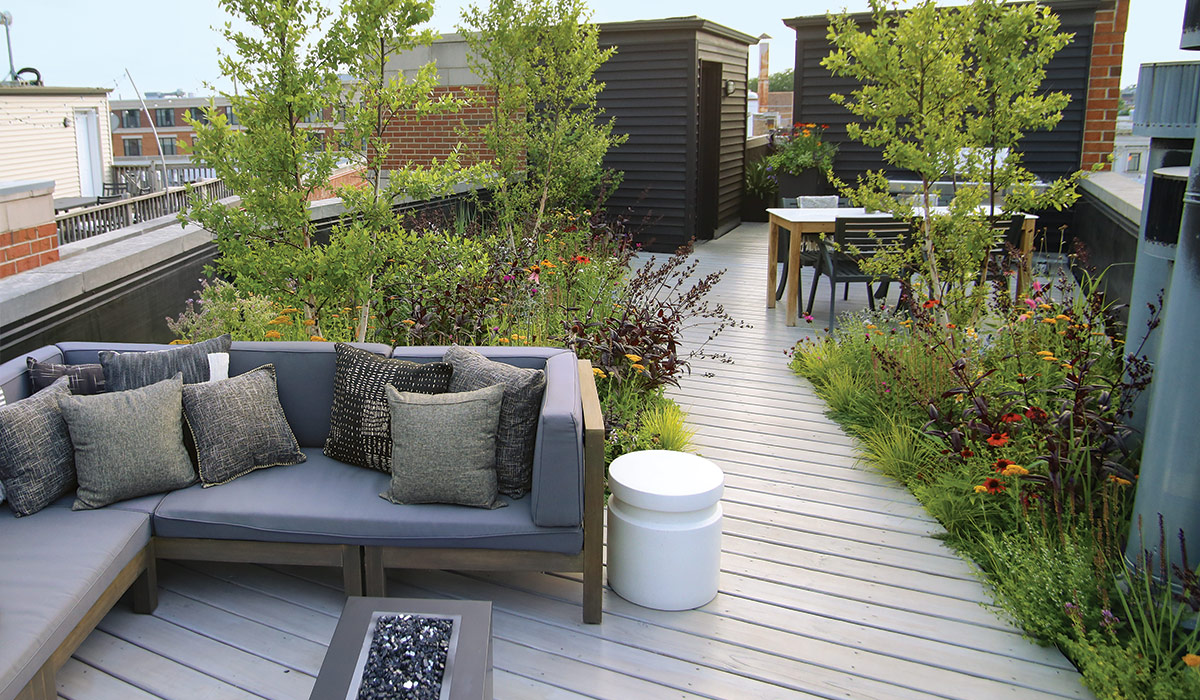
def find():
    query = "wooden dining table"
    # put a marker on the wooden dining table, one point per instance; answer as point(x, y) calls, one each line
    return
point(805, 227)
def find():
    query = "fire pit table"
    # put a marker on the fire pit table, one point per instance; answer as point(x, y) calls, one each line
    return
point(409, 648)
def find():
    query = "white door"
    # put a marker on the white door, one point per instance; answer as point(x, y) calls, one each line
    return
point(87, 141)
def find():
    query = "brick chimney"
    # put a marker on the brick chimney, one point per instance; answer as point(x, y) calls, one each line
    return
point(1104, 82)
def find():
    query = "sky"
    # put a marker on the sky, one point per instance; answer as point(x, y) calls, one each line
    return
point(170, 44)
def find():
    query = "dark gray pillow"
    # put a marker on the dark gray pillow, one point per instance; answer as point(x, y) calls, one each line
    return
point(359, 422)
point(133, 370)
point(37, 462)
point(239, 426)
point(85, 379)
point(444, 447)
point(523, 389)
point(128, 443)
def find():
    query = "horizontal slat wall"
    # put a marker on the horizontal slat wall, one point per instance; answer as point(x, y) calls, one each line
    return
point(649, 90)
point(1049, 154)
point(734, 56)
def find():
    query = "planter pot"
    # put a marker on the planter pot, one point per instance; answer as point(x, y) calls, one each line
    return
point(755, 208)
point(809, 182)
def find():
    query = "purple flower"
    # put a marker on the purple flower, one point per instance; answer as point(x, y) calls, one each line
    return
point(509, 278)
point(1108, 620)
point(1071, 609)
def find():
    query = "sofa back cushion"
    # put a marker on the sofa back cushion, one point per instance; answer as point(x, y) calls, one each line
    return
point(304, 375)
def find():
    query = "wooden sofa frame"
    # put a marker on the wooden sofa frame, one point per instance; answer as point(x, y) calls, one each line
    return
point(363, 567)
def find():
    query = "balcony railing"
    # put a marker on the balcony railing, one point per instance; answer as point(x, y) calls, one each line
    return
point(84, 223)
point(145, 178)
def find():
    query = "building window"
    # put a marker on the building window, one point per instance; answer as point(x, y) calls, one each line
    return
point(130, 119)
point(312, 117)
point(230, 116)
point(198, 115)
point(164, 117)
point(132, 147)
point(166, 145)
point(1134, 163)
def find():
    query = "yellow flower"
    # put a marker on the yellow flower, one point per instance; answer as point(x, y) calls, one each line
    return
point(290, 310)
point(1068, 365)
point(633, 358)
point(871, 326)
point(1191, 660)
point(1049, 358)
point(280, 321)
point(179, 341)
point(409, 322)
point(336, 316)
point(1048, 320)
point(309, 322)
point(502, 340)
point(637, 366)
point(1044, 306)
point(1118, 480)
point(272, 335)
point(1044, 352)
point(317, 339)
point(599, 372)
point(1015, 470)
point(980, 488)
point(1063, 317)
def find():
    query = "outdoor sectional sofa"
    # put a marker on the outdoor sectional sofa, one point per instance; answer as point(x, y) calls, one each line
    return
point(62, 570)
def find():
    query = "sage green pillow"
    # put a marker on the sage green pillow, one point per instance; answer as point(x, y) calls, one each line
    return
point(128, 443)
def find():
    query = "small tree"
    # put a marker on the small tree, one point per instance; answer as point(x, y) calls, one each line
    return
point(539, 57)
point(949, 93)
point(273, 162)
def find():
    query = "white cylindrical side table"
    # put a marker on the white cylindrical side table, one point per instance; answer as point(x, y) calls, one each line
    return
point(664, 529)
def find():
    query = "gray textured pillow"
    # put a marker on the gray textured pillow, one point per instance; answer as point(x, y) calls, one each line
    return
point(239, 426)
point(37, 463)
point(517, 432)
point(128, 443)
point(444, 447)
point(133, 370)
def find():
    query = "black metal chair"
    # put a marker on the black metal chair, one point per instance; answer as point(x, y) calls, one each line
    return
point(854, 240)
point(807, 257)
point(1005, 231)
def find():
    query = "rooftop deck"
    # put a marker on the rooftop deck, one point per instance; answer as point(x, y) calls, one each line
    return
point(832, 584)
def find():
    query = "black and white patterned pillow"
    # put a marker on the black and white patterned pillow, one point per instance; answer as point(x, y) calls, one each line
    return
point(239, 426)
point(37, 460)
point(134, 370)
point(517, 432)
point(360, 423)
point(85, 379)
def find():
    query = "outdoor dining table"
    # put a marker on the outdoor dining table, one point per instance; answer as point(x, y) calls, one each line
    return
point(805, 227)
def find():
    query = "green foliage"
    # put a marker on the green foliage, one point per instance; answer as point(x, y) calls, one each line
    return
point(777, 82)
point(948, 93)
point(665, 428)
point(760, 180)
point(540, 58)
point(801, 147)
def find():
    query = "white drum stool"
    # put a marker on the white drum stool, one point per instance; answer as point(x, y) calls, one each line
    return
point(664, 529)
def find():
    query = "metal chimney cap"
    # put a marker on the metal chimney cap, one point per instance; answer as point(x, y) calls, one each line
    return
point(6, 18)
point(764, 36)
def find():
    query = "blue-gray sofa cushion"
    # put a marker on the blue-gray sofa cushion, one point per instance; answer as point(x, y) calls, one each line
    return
point(304, 375)
point(325, 501)
point(557, 494)
point(64, 561)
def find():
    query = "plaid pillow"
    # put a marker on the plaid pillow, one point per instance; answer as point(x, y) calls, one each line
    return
point(84, 380)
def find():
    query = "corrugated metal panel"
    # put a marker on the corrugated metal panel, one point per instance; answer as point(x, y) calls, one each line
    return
point(1166, 100)
point(34, 144)
point(1049, 154)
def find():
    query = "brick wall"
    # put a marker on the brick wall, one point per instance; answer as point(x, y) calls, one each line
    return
point(27, 248)
point(28, 234)
point(1104, 82)
point(416, 141)
point(342, 177)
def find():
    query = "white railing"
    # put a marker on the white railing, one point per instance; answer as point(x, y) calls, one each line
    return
point(92, 221)
point(146, 178)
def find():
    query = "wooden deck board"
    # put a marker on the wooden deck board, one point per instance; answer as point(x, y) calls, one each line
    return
point(833, 581)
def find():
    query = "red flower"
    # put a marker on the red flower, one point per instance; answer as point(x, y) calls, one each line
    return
point(580, 259)
point(998, 439)
point(1012, 418)
point(930, 304)
point(993, 485)
point(1001, 463)
point(1035, 414)
point(824, 126)
point(967, 453)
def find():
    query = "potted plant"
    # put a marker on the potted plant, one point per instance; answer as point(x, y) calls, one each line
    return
point(761, 190)
point(802, 158)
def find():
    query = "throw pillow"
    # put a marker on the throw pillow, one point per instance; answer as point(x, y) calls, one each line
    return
point(218, 366)
point(133, 370)
point(517, 432)
point(37, 464)
point(128, 443)
point(239, 426)
point(359, 423)
point(444, 447)
point(85, 379)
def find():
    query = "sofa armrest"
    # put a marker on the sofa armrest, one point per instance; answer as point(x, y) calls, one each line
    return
point(557, 494)
point(14, 374)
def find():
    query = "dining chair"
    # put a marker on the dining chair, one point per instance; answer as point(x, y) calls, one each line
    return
point(807, 257)
point(854, 240)
point(1005, 230)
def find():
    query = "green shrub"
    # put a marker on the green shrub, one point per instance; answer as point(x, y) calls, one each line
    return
point(664, 427)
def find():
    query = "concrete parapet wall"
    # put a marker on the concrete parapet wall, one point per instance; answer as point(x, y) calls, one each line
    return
point(28, 234)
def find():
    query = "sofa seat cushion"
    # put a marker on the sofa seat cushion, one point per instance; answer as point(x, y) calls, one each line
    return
point(326, 501)
point(54, 565)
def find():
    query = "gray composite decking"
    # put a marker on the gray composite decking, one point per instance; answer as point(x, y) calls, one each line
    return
point(832, 583)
